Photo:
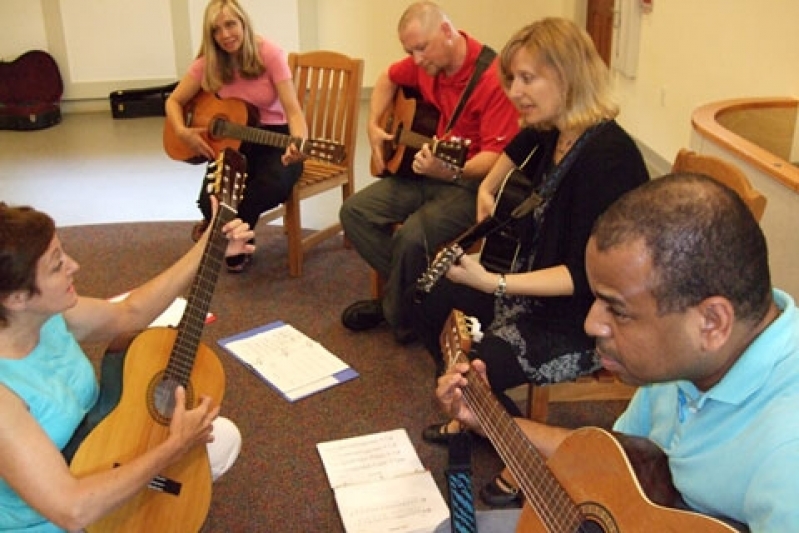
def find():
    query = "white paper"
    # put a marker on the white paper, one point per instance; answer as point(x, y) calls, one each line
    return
point(287, 358)
point(380, 484)
point(294, 364)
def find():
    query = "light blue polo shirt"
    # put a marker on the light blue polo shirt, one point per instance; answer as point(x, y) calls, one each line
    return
point(734, 450)
point(59, 385)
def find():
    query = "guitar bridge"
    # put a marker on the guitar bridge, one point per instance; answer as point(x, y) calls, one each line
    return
point(162, 484)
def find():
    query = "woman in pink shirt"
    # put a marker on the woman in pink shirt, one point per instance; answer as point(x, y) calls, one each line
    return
point(234, 62)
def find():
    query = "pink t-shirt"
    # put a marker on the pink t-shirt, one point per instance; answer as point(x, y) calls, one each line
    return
point(260, 92)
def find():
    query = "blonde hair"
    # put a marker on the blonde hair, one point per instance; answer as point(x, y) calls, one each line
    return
point(569, 50)
point(220, 67)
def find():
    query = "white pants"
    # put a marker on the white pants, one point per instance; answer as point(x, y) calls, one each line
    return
point(225, 448)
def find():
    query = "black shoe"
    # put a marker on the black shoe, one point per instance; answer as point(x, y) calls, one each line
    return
point(500, 493)
point(437, 433)
point(363, 315)
point(236, 264)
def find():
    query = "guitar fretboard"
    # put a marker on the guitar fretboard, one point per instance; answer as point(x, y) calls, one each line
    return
point(198, 303)
point(224, 128)
point(547, 497)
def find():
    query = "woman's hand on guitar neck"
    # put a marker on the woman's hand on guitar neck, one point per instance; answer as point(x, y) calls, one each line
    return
point(292, 155)
point(467, 270)
point(237, 232)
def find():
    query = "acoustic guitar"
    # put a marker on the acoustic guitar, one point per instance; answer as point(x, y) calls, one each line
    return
point(501, 240)
point(157, 361)
point(413, 123)
point(588, 484)
point(228, 122)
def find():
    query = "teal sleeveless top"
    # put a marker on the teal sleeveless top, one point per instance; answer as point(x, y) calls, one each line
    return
point(58, 384)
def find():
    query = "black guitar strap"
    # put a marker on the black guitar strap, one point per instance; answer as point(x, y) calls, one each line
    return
point(485, 58)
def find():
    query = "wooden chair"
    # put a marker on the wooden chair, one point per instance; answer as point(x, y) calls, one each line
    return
point(726, 173)
point(328, 86)
point(602, 385)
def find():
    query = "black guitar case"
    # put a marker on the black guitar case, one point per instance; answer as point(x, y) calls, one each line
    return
point(145, 102)
point(30, 92)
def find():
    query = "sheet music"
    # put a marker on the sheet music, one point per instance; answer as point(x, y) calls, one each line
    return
point(288, 360)
point(380, 484)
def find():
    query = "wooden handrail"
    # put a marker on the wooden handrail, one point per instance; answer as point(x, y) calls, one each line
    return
point(705, 122)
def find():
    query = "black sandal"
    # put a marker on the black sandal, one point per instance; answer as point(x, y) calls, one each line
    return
point(438, 433)
point(501, 493)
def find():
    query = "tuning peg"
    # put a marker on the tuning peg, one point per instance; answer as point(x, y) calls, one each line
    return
point(475, 329)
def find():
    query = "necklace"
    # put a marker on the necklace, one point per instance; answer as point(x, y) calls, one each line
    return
point(563, 146)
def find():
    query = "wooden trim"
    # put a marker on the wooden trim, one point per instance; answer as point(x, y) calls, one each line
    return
point(705, 121)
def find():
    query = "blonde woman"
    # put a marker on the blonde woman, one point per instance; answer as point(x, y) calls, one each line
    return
point(234, 62)
point(578, 160)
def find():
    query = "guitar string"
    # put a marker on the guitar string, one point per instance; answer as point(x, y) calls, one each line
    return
point(556, 509)
point(556, 503)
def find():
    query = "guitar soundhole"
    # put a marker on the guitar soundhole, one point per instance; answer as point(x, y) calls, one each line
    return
point(161, 398)
point(590, 526)
point(597, 519)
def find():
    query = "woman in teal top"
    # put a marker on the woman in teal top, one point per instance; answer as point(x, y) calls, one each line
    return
point(47, 384)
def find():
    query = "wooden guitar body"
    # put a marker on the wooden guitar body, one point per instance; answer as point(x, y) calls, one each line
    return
point(594, 470)
point(129, 431)
point(412, 122)
point(409, 113)
point(201, 112)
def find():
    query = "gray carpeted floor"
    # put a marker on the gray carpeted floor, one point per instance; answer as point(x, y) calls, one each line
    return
point(278, 483)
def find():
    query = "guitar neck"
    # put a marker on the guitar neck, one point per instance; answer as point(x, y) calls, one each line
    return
point(445, 259)
point(413, 139)
point(542, 490)
point(231, 130)
point(199, 300)
point(539, 486)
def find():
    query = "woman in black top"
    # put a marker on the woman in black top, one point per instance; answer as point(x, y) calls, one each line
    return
point(578, 160)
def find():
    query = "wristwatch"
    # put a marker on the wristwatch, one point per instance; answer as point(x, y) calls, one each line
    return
point(502, 286)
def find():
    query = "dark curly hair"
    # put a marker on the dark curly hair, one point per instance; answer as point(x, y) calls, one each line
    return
point(25, 234)
point(702, 239)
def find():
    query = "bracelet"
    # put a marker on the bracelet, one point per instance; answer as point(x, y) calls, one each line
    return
point(502, 286)
point(457, 176)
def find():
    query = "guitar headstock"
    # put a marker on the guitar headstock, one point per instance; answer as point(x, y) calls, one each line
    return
point(453, 151)
point(457, 336)
point(330, 151)
point(227, 176)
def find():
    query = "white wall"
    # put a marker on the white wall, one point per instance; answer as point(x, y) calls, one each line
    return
point(690, 52)
point(102, 46)
point(368, 28)
point(693, 53)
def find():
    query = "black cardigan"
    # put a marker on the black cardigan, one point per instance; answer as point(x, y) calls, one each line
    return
point(608, 165)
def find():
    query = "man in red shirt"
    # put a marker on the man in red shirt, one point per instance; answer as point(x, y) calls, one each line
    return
point(434, 201)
